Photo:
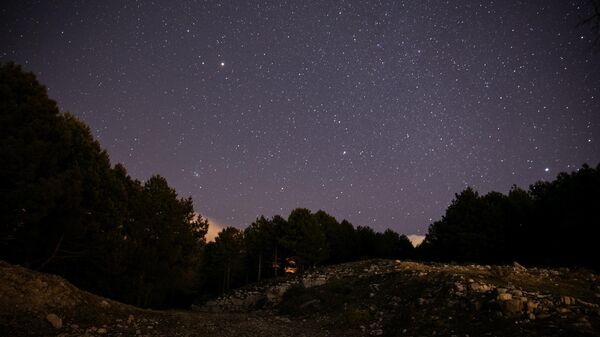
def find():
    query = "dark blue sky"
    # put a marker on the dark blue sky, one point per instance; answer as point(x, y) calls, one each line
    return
point(375, 111)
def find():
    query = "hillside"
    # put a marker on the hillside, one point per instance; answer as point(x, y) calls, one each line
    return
point(367, 298)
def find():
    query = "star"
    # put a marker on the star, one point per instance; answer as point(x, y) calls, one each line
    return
point(367, 102)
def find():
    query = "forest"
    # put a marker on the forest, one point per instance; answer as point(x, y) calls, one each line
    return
point(65, 209)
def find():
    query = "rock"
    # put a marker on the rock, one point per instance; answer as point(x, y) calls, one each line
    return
point(105, 304)
point(532, 306)
point(588, 304)
point(479, 287)
point(377, 332)
point(516, 293)
point(504, 297)
point(130, 319)
point(567, 300)
point(54, 320)
point(475, 286)
point(308, 303)
point(314, 281)
point(532, 317)
point(518, 267)
point(513, 306)
point(101, 331)
point(275, 294)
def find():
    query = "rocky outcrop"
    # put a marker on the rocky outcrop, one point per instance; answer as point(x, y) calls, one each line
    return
point(365, 298)
point(534, 298)
point(271, 292)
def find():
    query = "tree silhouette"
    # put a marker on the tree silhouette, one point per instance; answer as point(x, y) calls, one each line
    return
point(64, 209)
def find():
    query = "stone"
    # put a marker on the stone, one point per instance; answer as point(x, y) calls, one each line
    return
point(518, 267)
point(314, 281)
point(532, 317)
point(513, 306)
point(504, 297)
point(275, 294)
point(309, 303)
point(567, 300)
point(54, 320)
point(532, 306)
point(475, 286)
point(130, 319)
point(377, 332)
point(101, 331)
point(479, 287)
point(516, 293)
point(104, 304)
point(588, 304)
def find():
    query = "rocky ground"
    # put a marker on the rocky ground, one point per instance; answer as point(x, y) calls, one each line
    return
point(366, 298)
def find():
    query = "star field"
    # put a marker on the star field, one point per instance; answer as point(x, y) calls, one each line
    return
point(374, 111)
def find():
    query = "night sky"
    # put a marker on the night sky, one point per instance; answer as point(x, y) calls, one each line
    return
point(374, 111)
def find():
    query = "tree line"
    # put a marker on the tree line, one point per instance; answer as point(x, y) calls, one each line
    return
point(303, 240)
point(554, 223)
point(65, 209)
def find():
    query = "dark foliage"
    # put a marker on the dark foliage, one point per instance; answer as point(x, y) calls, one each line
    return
point(554, 223)
point(264, 249)
point(64, 209)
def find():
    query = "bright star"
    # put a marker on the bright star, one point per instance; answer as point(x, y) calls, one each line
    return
point(222, 64)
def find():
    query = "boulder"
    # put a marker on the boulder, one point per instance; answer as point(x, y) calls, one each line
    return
point(54, 320)
point(532, 306)
point(504, 297)
point(512, 307)
point(567, 300)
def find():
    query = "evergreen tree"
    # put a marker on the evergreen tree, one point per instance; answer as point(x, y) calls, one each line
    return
point(224, 266)
point(63, 209)
point(309, 244)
